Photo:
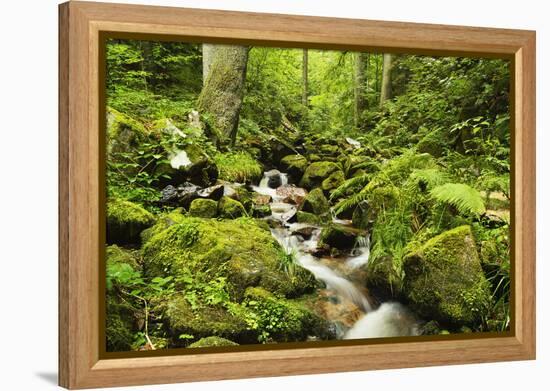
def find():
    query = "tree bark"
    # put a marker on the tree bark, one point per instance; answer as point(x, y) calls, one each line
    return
point(222, 94)
point(304, 78)
point(360, 79)
point(385, 90)
point(208, 50)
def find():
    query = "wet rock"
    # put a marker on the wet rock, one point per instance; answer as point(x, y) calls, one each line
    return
point(213, 192)
point(169, 195)
point(381, 278)
point(261, 199)
point(444, 280)
point(316, 203)
point(274, 179)
point(203, 208)
point(337, 236)
point(283, 211)
point(317, 172)
point(181, 195)
point(304, 232)
point(292, 194)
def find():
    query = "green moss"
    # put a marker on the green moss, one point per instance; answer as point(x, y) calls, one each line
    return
point(338, 236)
point(203, 322)
point(316, 203)
point(333, 181)
point(119, 325)
point(118, 123)
point(126, 220)
point(230, 209)
point(280, 320)
point(238, 167)
point(164, 221)
point(317, 172)
point(117, 255)
point(382, 278)
point(203, 208)
point(240, 250)
point(308, 218)
point(431, 143)
point(295, 165)
point(212, 342)
point(444, 280)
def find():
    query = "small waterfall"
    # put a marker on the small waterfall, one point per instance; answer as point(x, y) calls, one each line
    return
point(360, 253)
point(334, 281)
point(389, 320)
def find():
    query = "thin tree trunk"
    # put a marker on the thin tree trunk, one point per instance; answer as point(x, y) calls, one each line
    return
point(208, 50)
point(222, 94)
point(359, 87)
point(305, 78)
point(385, 90)
point(376, 74)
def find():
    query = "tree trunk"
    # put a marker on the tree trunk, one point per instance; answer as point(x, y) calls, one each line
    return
point(360, 79)
point(385, 90)
point(208, 51)
point(222, 94)
point(304, 78)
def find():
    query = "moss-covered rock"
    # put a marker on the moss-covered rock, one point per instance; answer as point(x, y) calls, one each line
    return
point(229, 208)
point(164, 221)
point(242, 251)
point(308, 218)
point(203, 208)
point(124, 134)
point(120, 324)
point(190, 164)
point(382, 279)
point(338, 236)
point(238, 167)
point(444, 280)
point(180, 318)
point(316, 203)
point(295, 165)
point(317, 172)
point(333, 181)
point(362, 216)
point(117, 255)
point(282, 320)
point(432, 143)
point(126, 220)
point(212, 342)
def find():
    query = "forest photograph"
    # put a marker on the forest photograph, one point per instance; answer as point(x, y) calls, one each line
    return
point(264, 195)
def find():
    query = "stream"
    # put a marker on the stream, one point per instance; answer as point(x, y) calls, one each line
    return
point(347, 304)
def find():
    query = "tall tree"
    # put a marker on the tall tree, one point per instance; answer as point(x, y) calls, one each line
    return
point(304, 77)
point(360, 80)
point(208, 50)
point(385, 90)
point(222, 94)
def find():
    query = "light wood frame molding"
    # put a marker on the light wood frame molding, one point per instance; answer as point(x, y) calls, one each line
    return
point(80, 27)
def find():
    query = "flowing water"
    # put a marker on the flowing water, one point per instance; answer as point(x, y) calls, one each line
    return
point(349, 306)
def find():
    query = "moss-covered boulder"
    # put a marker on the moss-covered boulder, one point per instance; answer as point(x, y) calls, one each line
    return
point(241, 251)
point(212, 342)
point(282, 320)
point(308, 218)
point(125, 221)
point(124, 135)
point(295, 165)
point(189, 164)
point(382, 278)
point(362, 216)
point(117, 255)
point(317, 172)
point(338, 236)
point(229, 208)
point(181, 319)
point(333, 181)
point(316, 203)
point(444, 280)
point(203, 208)
point(164, 221)
point(432, 143)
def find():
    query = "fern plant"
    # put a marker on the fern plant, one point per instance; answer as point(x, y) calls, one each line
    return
point(464, 198)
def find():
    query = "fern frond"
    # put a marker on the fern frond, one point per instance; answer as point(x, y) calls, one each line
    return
point(465, 198)
point(432, 177)
point(352, 184)
point(351, 202)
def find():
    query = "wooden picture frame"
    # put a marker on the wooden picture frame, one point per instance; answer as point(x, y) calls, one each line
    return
point(82, 24)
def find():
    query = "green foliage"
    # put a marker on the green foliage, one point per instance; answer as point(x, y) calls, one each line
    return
point(238, 167)
point(463, 197)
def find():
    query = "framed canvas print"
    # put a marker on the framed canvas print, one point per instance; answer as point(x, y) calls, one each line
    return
point(247, 195)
